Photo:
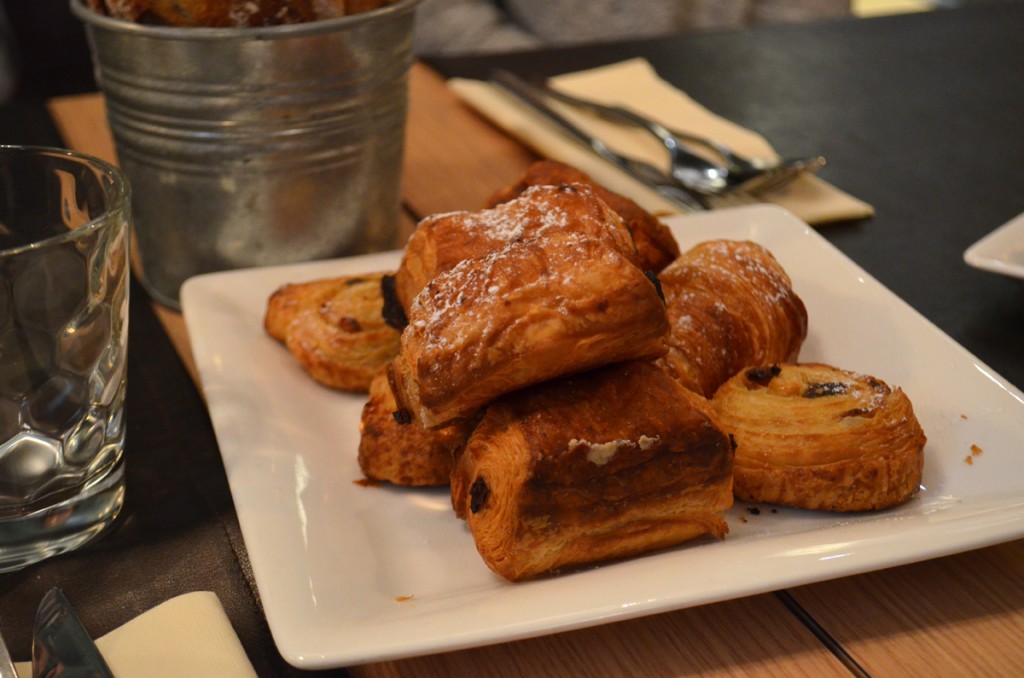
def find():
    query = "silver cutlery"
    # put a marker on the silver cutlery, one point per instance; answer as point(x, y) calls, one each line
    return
point(742, 166)
point(61, 647)
point(687, 168)
point(779, 174)
point(683, 196)
point(750, 175)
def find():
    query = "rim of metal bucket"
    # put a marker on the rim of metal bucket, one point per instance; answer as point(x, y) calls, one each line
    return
point(245, 32)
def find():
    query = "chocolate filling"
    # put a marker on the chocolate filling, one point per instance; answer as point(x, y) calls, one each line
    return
point(392, 311)
point(479, 493)
point(653, 277)
point(349, 324)
point(762, 376)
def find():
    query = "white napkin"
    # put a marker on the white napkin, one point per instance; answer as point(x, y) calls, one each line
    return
point(189, 635)
point(634, 83)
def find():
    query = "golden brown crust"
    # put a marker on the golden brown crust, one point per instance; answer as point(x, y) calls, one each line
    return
point(442, 241)
point(555, 304)
point(286, 301)
point(656, 246)
point(731, 305)
point(404, 454)
point(608, 464)
point(334, 328)
point(818, 437)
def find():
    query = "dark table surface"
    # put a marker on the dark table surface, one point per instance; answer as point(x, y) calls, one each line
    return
point(920, 115)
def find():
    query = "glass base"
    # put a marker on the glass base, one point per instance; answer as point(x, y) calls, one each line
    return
point(62, 527)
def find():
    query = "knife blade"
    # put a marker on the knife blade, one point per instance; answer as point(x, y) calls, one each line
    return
point(61, 647)
point(641, 171)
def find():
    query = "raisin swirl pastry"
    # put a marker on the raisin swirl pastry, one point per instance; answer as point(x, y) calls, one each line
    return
point(442, 241)
point(334, 328)
point(403, 453)
point(818, 437)
point(608, 464)
point(731, 305)
point(655, 244)
point(539, 308)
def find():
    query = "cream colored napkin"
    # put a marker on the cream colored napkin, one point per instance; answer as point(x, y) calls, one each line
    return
point(189, 635)
point(635, 83)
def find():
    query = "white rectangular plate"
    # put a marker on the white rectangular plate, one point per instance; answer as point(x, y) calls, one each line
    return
point(350, 574)
point(1001, 251)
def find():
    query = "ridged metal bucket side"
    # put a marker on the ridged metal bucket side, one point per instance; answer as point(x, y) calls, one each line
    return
point(249, 147)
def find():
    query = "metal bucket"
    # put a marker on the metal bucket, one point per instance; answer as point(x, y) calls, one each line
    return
point(256, 146)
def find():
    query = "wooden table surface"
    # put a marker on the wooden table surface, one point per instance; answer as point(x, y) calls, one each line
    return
point(958, 615)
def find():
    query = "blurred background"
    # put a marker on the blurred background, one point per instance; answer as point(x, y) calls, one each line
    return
point(43, 51)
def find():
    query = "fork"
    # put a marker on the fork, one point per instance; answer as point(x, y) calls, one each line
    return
point(750, 175)
point(671, 189)
point(680, 192)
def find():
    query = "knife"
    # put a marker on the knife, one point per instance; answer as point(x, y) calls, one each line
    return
point(61, 647)
point(639, 170)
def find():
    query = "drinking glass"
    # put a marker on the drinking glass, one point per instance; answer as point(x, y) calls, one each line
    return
point(64, 239)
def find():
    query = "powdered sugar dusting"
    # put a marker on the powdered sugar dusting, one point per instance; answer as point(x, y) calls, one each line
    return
point(758, 264)
point(512, 219)
point(468, 341)
point(536, 212)
point(463, 297)
point(532, 241)
point(731, 305)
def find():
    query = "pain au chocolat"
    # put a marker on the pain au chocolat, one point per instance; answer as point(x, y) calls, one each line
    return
point(335, 329)
point(608, 464)
point(818, 437)
point(442, 241)
point(540, 307)
point(404, 453)
point(731, 305)
point(655, 244)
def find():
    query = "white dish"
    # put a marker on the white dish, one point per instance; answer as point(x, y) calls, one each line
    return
point(351, 574)
point(1001, 251)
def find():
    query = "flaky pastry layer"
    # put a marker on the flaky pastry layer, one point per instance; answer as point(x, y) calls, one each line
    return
point(538, 308)
point(656, 246)
point(818, 437)
point(612, 463)
point(334, 328)
point(731, 305)
point(442, 241)
point(404, 453)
